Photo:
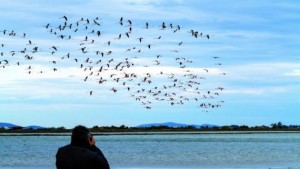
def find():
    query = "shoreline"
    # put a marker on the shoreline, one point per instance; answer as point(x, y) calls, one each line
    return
point(148, 133)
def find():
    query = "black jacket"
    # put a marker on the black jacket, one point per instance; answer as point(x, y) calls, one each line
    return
point(75, 157)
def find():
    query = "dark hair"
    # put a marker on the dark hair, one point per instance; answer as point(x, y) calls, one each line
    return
point(80, 136)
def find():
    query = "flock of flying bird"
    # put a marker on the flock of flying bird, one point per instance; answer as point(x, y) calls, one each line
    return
point(104, 60)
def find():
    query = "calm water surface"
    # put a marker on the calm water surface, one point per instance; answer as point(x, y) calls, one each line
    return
point(251, 150)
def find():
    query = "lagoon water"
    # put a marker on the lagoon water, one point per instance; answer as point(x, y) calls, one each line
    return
point(163, 151)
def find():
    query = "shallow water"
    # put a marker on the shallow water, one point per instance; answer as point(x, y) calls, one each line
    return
point(182, 150)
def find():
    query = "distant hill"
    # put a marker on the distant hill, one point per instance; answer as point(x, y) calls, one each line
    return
point(34, 127)
point(10, 126)
point(175, 125)
point(7, 125)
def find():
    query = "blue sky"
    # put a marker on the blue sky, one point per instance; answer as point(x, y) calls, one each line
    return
point(257, 43)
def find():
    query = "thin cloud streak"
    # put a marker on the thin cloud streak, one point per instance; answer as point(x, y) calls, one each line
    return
point(256, 91)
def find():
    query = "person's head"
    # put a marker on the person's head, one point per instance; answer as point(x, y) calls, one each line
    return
point(81, 136)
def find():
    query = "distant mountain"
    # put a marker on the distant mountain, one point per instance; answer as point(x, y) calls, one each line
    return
point(34, 127)
point(10, 126)
point(175, 125)
point(7, 125)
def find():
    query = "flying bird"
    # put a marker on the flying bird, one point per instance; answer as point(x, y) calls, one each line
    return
point(101, 59)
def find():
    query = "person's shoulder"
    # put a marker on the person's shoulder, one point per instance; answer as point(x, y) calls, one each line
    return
point(64, 147)
point(90, 152)
point(78, 149)
point(71, 148)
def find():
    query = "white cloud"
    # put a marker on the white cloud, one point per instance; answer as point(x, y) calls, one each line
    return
point(295, 72)
point(255, 90)
point(261, 70)
point(18, 85)
point(17, 73)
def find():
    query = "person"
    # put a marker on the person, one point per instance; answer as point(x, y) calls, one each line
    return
point(81, 153)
